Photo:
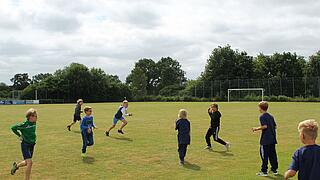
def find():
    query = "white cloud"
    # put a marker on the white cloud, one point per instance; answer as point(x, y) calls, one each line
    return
point(43, 36)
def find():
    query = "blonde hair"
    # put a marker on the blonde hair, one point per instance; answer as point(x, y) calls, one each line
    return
point(31, 112)
point(87, 108)
point(183, 114)
point(125, 101)
point(309, 128)
point(79, 101)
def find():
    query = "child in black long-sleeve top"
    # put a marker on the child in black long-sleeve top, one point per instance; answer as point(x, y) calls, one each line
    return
point(214, 128)
point(183, 127)
point(77, 113)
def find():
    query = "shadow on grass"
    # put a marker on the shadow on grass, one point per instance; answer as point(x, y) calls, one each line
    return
point(279, 176)
point(194, 167)
point(78, 132)
point(88, 160)
point(223, 153)
point(122, 138)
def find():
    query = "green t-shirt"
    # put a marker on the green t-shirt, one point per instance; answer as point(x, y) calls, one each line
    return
point(28, 131)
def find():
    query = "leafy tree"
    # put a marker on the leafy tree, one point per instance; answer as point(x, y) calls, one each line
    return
point(20, 81)
point(313, 66)
point(40, 77)
point(279, 65)
point(149, 68)
point(4, 90)
point(170, 73)
point(226, 63)
point(138, 83)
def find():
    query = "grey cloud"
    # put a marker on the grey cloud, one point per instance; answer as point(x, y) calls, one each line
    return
point(12, 47)
point(57, 22)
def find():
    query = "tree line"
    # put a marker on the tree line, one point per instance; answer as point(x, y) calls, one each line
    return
point(162, 78)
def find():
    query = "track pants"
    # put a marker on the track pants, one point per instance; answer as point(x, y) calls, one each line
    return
point(268, 152)
point(182, 151)
point(214, 131)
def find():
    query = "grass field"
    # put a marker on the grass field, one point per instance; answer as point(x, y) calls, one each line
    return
point(148, 150)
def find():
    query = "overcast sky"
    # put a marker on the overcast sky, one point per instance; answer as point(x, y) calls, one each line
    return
point(41, 36)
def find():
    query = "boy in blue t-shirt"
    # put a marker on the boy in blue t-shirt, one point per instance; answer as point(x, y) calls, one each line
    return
point(306, 160)
point(268, 140)
point(86, 130)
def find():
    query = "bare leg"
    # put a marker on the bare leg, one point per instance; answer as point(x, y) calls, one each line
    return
point(111, 128)
point(72, 124)
point(123, 124)
point(28, 170)
point(22, 164)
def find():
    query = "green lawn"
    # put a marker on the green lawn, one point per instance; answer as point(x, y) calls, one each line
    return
point(148, 150)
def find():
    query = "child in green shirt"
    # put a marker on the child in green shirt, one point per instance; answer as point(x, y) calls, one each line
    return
point(26, 132)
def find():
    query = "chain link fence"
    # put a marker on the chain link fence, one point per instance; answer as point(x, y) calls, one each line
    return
point(290, 87)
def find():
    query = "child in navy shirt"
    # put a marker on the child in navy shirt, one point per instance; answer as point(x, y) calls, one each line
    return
point(86, 130)
point(306, 160)
point(268, 140)
point(183, 127)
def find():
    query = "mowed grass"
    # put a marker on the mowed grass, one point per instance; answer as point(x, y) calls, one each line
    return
point(148, 150)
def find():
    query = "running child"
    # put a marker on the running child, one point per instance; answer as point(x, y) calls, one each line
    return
point(183, 127)
point(76, 115)
point(26, 132)
point(86, 130)
point(214, 128)
point(306, 160)
point(119, 116)
point(268, 140)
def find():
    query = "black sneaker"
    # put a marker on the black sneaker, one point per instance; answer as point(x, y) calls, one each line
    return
point(69, 128)
point(14, 168)
point(120, 131)
point(107, 133)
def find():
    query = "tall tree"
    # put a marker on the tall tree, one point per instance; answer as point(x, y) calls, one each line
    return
point(170, 73)
point(20, 81)
point(40, 77)
point(149, 68)
point(138, 83)
point(279, 65)
point(226, 63)
point(313, 68)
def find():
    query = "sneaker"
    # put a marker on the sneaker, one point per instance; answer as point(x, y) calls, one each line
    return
point(69, 128)
point(120, 131)
point(14, 168)
point(83, 155)
point(181, 163)
point(107, 133)
point(274, 172)
point(228, 146)
point(208, 148)
point(262, 174)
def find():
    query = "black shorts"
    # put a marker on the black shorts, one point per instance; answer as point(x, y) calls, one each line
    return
point(76, 118)
point(27, 150)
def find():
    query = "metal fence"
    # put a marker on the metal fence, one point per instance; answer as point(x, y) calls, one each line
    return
point(290, 87)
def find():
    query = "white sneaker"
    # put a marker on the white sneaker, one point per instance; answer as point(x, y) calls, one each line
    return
point(228, 146)
point(262, 174)
point(275, 172)
point(208, 148)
